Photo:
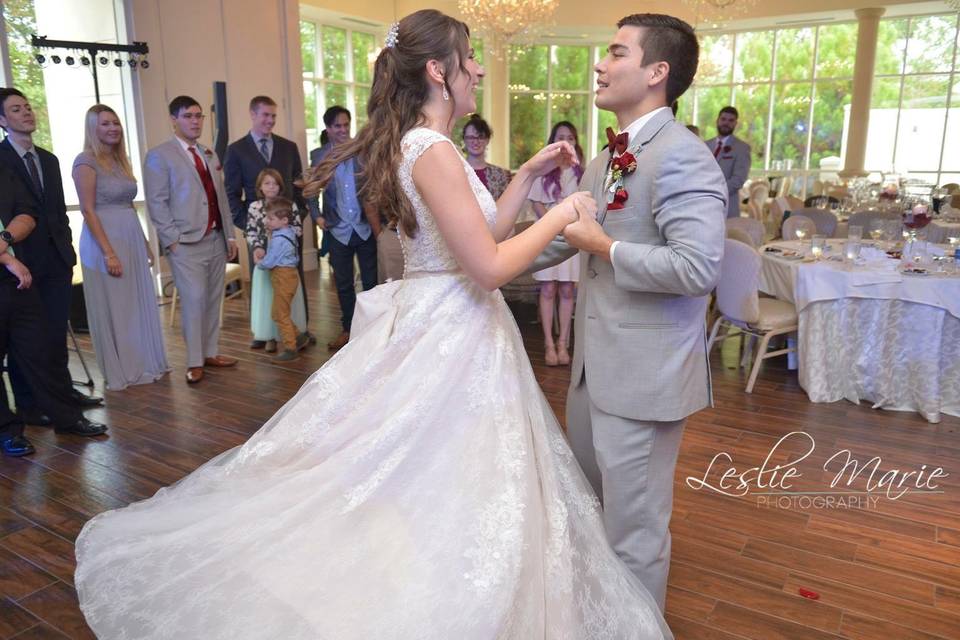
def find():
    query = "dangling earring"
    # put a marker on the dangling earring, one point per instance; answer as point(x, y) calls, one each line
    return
point(446, 96)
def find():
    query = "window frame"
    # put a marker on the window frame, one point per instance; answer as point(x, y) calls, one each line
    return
point(320, 82)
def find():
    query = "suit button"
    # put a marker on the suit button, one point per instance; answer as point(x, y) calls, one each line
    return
point(592, 273)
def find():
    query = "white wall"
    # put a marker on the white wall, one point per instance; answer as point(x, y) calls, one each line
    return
point(194, 43)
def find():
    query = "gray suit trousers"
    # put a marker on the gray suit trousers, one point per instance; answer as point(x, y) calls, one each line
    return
point(198, 272)
point(630, 464)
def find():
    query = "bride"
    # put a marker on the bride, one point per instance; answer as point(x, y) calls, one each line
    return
point(418, 485)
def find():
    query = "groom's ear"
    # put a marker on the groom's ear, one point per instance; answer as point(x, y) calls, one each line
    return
point(659, 73)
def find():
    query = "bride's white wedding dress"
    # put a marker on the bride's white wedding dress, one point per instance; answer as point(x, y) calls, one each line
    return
point(417, 487)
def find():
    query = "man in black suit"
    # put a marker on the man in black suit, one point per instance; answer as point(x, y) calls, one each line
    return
point(49, 255)
point(253, 153)
point(21, 312)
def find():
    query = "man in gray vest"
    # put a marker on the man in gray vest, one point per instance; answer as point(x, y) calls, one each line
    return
point(733, 156)
point(647, 265)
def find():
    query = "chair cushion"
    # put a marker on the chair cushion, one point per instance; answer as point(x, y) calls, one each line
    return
point(776, 314)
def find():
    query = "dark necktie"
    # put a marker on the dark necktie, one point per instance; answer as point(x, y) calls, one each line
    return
point(213, 209)
point(264, 151)
point(34, 171)
point(716, 152)
point(617, 143)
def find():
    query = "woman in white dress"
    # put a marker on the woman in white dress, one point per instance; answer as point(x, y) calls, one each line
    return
point(560, 279)
point(418, 485)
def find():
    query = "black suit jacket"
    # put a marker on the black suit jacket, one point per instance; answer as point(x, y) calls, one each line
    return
point(244, 163)
point(15, 200)
point(53, 226)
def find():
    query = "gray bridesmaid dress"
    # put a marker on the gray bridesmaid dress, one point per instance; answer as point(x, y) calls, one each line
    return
point(122, 312)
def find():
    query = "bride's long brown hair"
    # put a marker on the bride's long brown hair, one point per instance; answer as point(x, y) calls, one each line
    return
point(400, 89)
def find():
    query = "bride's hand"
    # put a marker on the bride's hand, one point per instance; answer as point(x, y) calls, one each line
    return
point(575, 206)
point(550, 157)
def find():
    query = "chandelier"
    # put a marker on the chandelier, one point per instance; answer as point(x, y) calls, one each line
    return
point(721, 10)
point(503, 22)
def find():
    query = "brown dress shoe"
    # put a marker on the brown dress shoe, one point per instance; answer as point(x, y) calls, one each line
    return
point(194, 375)
point(220, 361)
point(341, 340)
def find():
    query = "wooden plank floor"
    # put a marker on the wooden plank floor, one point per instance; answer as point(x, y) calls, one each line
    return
point(888, 572)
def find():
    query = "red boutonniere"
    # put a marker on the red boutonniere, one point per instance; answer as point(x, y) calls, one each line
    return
point(209, 155)
point(726, 148)
point(620, 167)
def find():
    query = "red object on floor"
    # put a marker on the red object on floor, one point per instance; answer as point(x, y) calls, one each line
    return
point(806, 593)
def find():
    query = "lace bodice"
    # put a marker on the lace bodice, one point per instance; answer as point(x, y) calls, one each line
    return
point(428, 251)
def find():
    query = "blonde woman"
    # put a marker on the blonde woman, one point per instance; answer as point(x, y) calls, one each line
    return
point(116, 258)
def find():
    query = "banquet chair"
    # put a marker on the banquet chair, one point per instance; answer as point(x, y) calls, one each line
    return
point(735, 233)
point(752, 228)
point(825, 221)
point(795, 203)
point(785, 186)
point(820, 202)
point(864, 218)
point(777, 210)
point(951, 188)
point(838, 192)
point(791, 224)
point(741, 306)
point(759, 191)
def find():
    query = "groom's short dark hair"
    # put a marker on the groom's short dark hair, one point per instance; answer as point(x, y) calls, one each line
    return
point(670, 40)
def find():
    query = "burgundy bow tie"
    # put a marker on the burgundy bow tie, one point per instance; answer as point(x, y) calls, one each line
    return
point(617, 143)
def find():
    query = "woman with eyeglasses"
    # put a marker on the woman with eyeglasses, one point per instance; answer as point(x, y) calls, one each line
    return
point(476, 137)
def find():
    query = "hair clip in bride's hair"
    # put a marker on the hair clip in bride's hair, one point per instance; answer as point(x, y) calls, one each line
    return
point(392, 33)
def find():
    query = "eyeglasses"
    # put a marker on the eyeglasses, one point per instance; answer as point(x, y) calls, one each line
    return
point(193, 116)
point(474, 138)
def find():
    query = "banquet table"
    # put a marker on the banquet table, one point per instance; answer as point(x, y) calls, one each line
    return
point(869, 331)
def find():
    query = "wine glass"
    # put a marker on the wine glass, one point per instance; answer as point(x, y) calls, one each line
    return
point(801, 233)
point(916, 215)
point(876, 230)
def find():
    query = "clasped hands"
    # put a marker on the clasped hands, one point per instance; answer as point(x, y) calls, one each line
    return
point(583, 231)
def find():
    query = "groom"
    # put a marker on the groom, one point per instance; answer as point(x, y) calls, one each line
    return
point(649, 262)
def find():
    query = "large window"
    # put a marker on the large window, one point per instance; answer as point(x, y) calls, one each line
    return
point(337, 70)
point(549, 84)
point(792, 88)
point(915, 107)
point(61, 94)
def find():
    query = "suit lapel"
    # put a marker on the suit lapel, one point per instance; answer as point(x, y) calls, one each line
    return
point(645, 136)
point(184, 156)
point(21, 169)
point(252, 146)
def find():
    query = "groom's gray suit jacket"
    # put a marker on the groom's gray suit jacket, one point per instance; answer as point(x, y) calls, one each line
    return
point(640, 322)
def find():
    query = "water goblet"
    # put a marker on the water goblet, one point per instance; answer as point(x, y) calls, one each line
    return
point(855, 232)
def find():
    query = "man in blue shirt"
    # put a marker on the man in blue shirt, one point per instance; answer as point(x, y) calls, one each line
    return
point(343, 218)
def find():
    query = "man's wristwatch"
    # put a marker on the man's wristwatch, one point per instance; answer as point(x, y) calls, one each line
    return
point(6, 236)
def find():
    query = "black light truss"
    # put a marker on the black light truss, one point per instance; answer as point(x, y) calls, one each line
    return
point(94, 49)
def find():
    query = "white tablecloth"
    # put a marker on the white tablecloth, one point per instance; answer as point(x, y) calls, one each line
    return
point(873, 333)
point(938, 231)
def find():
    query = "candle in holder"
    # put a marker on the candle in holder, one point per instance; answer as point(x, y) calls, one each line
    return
point(801, 233)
